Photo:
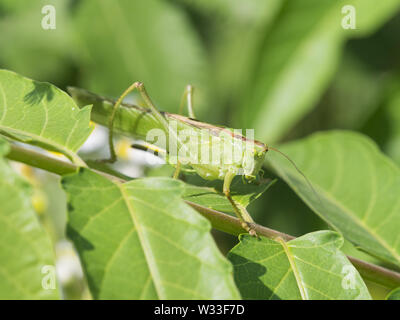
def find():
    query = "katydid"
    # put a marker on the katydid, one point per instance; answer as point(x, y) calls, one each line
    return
point(251, 152)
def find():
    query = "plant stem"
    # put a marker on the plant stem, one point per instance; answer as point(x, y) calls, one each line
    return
point(50, 164)
point(229, 224)
point(39, 160)
point(219, 220)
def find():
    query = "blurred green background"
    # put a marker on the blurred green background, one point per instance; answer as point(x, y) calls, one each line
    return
point(286, 68)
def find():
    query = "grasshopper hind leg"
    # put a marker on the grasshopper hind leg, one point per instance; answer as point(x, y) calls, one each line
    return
point(246, 221)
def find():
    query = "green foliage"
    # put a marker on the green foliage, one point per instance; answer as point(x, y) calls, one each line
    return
point(45, 56)
point(136, 34)
point(357, 195)
point(133, 247)
point(388, 116)
point(286, 68)
point(209, 193)
point(305, 38)
point(310, 267)
point(40, 114)
point(26, 251)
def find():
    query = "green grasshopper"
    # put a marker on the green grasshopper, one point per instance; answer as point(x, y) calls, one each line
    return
point(248, 163)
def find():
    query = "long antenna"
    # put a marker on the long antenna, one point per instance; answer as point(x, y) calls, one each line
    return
point(298, 170)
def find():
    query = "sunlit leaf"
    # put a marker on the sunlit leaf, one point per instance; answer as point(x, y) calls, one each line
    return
point(299, 58)
point(309, 268)
point(41, 114)
point(27, 266)
point(358, 188)
point(209, 193)
point(139, 240)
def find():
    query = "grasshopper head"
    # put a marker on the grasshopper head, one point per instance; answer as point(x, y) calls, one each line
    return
point(254, 160)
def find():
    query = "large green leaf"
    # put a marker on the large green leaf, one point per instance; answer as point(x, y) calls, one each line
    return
point(26, 252)
point(209, 193)
point(139, 240)
point(39, 113)
point(299, 57)
point(310, 268)
point(149, 41)
point(358, 188)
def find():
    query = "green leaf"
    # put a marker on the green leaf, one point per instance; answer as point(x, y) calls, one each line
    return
point(392, 116)
point(139, 240)
point(27, 48)
point(233, 63)
point(251, 11)
point(299, 58)
point(39, 113)
point(26, 252)
point(358, 188)
point(150, 41)
point(310, 267)
point(388, 116)
point(209, 193)
point(394, 295)
point(350, 109)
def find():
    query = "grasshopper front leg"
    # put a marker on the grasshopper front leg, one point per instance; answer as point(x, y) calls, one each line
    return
point(187, 95)
point(246, 221)
point(113, 155)
point(140, 87)
point(160, 118)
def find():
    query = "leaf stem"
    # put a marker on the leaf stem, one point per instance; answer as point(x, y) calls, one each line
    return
point(40, 160)
point(219, 220)
point(300, 284)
